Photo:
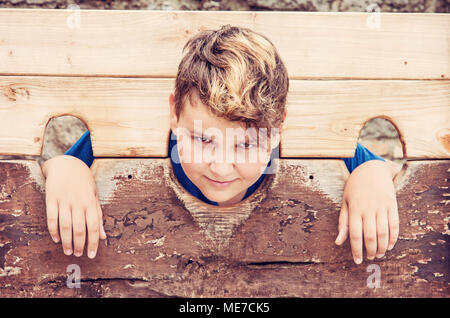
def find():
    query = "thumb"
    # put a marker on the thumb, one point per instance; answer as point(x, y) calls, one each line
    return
point(343, 224)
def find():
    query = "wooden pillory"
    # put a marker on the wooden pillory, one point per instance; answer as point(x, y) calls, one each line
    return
point(115, 70)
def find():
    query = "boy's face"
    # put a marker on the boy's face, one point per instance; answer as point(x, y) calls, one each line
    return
point(214, 150)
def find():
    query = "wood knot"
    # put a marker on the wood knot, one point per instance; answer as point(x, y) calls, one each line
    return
point(13, 94)
point(443, 137)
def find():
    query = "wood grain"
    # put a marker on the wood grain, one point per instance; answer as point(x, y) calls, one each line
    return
point(331, 45)
point(129, 117)
point(156, 246)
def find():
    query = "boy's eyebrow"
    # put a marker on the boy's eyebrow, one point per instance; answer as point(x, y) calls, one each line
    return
point(247, 137)
point(198, 133)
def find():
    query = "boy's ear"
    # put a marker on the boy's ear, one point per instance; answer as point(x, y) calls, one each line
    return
point(275, 141)
point(276, 138)
point(173, 116)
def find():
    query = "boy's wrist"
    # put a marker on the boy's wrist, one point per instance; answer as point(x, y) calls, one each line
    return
point(47, 165)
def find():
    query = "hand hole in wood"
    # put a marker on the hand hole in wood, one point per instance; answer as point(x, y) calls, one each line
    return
point(382, 137)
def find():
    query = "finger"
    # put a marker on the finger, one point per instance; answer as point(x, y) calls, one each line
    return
point(343, 224)
point(52, 219)
point(370, 235)
point(393, 225)
point(93, 230)
point(100, 219)
point(382, 233)
point(65, 227)
point(79, 230)
point(355, 228)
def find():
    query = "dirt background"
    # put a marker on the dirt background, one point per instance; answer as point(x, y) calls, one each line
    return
point(431, 6)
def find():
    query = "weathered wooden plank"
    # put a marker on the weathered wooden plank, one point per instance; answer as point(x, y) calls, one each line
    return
point(158, 244)
point(130, 117)
point(323, 114)
point(126, 117)
point(327, 44)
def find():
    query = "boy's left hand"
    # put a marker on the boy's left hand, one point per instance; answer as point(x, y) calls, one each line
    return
point(369, 211)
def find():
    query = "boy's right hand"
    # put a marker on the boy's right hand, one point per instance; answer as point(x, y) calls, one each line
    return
point(72, 204)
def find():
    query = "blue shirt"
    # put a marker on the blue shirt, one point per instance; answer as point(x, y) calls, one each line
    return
point(82, 149)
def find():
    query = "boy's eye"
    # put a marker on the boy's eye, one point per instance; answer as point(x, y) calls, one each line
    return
point(247, 145)
point(202, 139)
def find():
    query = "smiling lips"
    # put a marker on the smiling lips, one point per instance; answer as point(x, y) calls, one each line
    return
point(220, 184)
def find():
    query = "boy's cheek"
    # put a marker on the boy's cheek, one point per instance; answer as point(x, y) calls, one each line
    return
point(250, 173)
point(185, 152)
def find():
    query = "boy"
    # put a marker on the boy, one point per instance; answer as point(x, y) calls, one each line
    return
point(231, 79)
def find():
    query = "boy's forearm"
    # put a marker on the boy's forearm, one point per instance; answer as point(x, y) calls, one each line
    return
point(383, 169)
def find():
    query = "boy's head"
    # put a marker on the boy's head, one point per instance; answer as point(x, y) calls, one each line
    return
point(227, 109)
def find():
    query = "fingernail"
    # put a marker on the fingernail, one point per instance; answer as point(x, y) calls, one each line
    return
point(67, 251)
point(91, 254)
point(370, 257)
point(78, 254)
point(358, 261)
point(380, 255)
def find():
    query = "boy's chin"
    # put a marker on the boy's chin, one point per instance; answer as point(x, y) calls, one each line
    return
point(221, 197)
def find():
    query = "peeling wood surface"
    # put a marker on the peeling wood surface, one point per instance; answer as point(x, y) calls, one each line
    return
point(159, 245)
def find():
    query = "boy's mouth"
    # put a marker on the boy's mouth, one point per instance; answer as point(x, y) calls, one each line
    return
point(219, 183)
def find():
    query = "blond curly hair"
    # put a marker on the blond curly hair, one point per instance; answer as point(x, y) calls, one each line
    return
point(237, 73)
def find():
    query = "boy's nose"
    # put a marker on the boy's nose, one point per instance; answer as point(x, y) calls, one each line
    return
point(221, 170)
